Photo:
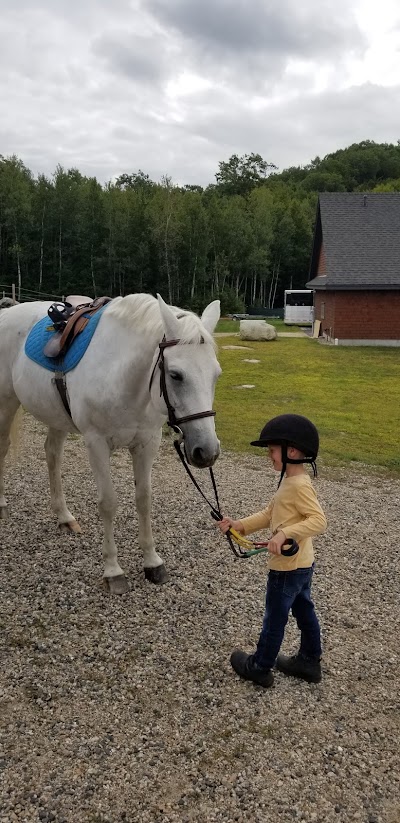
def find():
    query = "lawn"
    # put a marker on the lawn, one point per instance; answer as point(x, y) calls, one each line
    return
point(351, 394)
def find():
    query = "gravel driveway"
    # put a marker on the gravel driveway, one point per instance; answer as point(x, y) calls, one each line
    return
point(126, 709)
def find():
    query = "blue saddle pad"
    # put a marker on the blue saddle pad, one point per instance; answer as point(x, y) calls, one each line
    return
point(44, 329)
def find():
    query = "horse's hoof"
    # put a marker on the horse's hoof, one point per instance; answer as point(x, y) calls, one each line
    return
point(72, 526)
point(117, 585)
point(4, 513)
point(157, 574)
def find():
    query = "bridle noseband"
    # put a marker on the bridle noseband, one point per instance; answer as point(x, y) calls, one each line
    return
point(173, 421)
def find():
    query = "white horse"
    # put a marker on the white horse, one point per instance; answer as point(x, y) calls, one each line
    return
point(115, 401)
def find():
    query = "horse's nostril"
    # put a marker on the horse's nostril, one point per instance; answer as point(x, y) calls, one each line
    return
point(198, 455)
point(203, 457)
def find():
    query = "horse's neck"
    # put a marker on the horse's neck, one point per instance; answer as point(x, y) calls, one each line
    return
point(135, 351)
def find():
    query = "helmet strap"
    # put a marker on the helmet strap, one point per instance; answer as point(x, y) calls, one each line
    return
point(292, 460)
point(309, 460)
point(284, 462)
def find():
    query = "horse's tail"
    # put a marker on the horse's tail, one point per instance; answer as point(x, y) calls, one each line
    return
point(15, 432)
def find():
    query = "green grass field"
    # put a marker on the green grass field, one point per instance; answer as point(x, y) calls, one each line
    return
point(351, 394)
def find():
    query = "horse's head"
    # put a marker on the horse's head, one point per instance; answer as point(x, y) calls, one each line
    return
point(189, 371)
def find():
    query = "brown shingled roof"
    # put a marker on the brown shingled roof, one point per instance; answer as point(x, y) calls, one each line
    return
point(360, 234)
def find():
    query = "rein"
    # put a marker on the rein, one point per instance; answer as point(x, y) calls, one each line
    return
point(244, 548)
point(215, 510)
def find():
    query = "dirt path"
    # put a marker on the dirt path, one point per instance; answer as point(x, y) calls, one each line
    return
point(127, 709)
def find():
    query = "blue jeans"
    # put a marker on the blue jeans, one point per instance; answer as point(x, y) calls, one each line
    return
point(285, 591)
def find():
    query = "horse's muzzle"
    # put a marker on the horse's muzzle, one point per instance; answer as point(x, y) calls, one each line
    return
point(202, 457)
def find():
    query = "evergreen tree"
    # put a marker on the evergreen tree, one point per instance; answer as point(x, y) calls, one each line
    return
point(244, 239)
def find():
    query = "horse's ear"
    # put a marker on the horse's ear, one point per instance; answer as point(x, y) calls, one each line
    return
point(211, 315)
point(170, 323)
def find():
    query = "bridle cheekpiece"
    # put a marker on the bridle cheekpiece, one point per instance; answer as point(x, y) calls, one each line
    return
point(173, 421)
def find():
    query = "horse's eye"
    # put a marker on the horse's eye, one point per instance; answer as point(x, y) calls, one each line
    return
point(176, 375)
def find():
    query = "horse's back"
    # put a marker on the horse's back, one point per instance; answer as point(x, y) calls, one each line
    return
point(15, 324)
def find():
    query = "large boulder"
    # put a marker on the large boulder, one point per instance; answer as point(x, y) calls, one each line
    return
point(256, 330)
point(7, 302)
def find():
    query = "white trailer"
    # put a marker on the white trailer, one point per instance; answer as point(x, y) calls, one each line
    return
point(298, 306)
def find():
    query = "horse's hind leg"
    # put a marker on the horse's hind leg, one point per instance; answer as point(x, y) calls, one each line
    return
point(54, 448)
point(7, 413)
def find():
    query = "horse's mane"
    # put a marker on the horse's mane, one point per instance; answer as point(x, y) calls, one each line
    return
point(141, 311)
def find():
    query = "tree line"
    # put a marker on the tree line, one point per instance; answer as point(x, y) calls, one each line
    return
point(243, 239)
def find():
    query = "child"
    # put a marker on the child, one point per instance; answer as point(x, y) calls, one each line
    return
point(294, 512)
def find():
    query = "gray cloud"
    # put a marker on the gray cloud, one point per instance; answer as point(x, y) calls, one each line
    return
point(177, 87)
point(249, 46)
point(237, 27)
point(140, 58)
point(310, 125)
point(190, 151)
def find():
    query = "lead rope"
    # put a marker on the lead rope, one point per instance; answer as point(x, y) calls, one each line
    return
point(215, 510)
point(245, 548)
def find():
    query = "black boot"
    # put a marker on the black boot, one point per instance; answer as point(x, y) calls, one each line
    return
point(244, 665)
point(307, 668)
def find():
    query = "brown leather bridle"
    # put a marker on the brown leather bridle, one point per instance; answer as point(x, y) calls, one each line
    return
point(173, 421)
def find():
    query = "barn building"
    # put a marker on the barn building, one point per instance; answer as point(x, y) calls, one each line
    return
point(355, 268)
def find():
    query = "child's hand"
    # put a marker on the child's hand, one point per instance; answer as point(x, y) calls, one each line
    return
point(276, 543)
point(227, 523)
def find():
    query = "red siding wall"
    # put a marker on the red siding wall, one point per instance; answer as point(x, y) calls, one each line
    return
point(359, 315)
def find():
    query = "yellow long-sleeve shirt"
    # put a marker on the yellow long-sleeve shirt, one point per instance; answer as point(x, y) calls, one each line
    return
point(295, 510)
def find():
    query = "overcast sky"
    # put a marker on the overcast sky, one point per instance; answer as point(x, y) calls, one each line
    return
point(175, 86)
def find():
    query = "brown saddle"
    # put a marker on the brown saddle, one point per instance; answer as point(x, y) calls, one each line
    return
point(60, 342)
point(78, 300)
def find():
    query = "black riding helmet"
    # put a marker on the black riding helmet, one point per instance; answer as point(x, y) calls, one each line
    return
point(291, 430)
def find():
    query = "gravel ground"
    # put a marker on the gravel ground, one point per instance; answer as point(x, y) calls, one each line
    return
point(126, 709)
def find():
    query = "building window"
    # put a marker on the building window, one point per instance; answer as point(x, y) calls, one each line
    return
point(322, 311)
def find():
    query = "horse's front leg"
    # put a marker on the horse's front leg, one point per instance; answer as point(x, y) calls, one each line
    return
point(54, 447)
point(142, 459)
point(99, 458)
